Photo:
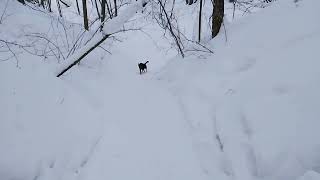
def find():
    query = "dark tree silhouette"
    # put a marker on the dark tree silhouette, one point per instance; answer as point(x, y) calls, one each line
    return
point(217, 16)
point(85, 15)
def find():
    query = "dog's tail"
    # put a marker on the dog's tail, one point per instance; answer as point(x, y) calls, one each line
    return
point(146, 62)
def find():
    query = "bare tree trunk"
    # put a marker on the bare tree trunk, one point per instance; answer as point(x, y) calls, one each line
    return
point(176, 39)
point(103, 13)
point(110, 5)
point(59, 8)
point(234, 9)
point(200, 13)
point(103, 10)
point(85, 15)
point(108, 8)
point(49, 5)
point(217, 16)
point(78, 7)
point(96, 4)
point(115, 8)
point(42, 3)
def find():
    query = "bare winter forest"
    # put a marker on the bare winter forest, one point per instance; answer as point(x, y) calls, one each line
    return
point(159, 90)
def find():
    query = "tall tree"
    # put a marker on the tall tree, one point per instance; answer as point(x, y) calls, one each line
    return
point(85, 15)
point(78, 7)
point(217, 16)
point(115, 8)
point(42, 3)
point(49, 5)
point(103, 13)
point(108, 8)
point(167, 23)
point(200, 13)
point(59, 8)
point(96, 4)
point(103, 10)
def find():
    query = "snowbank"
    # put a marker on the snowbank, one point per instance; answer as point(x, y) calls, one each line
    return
point(46, 130)
point(256, 100)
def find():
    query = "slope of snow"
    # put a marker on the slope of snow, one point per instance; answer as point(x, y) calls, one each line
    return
point(146, 136)
point(120, 125)
point(45, 127)
point(248, 112)
point(258, 94)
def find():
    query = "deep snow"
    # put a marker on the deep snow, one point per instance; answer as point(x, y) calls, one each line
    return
point(249, 111)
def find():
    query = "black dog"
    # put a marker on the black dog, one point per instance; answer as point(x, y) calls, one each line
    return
point(143, 67)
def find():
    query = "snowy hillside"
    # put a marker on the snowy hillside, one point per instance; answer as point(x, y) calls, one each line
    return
point(258, 94)
point(250, 111)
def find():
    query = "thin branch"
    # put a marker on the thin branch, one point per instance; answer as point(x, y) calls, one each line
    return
point(11, 51)
point(4, 12)
point(48, 40)
point(67, 5)
point(225, 31)
point(104, 49)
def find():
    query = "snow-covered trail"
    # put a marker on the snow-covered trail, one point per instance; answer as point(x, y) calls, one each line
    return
point(145, 134)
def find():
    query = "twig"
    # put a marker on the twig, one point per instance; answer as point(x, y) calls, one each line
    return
point(225, 31)
point(48, 40)
point(11, 51)
point(104, 49)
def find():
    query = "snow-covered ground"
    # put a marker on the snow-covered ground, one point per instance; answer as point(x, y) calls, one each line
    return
point(250, 111)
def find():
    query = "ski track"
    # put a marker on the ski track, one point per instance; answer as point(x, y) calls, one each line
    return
point(221, 133)
point(160, 135)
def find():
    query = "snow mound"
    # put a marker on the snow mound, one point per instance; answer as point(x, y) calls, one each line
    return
point(46, 130)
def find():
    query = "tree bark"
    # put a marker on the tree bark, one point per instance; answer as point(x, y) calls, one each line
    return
point(85, 15)
point(217, 16)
